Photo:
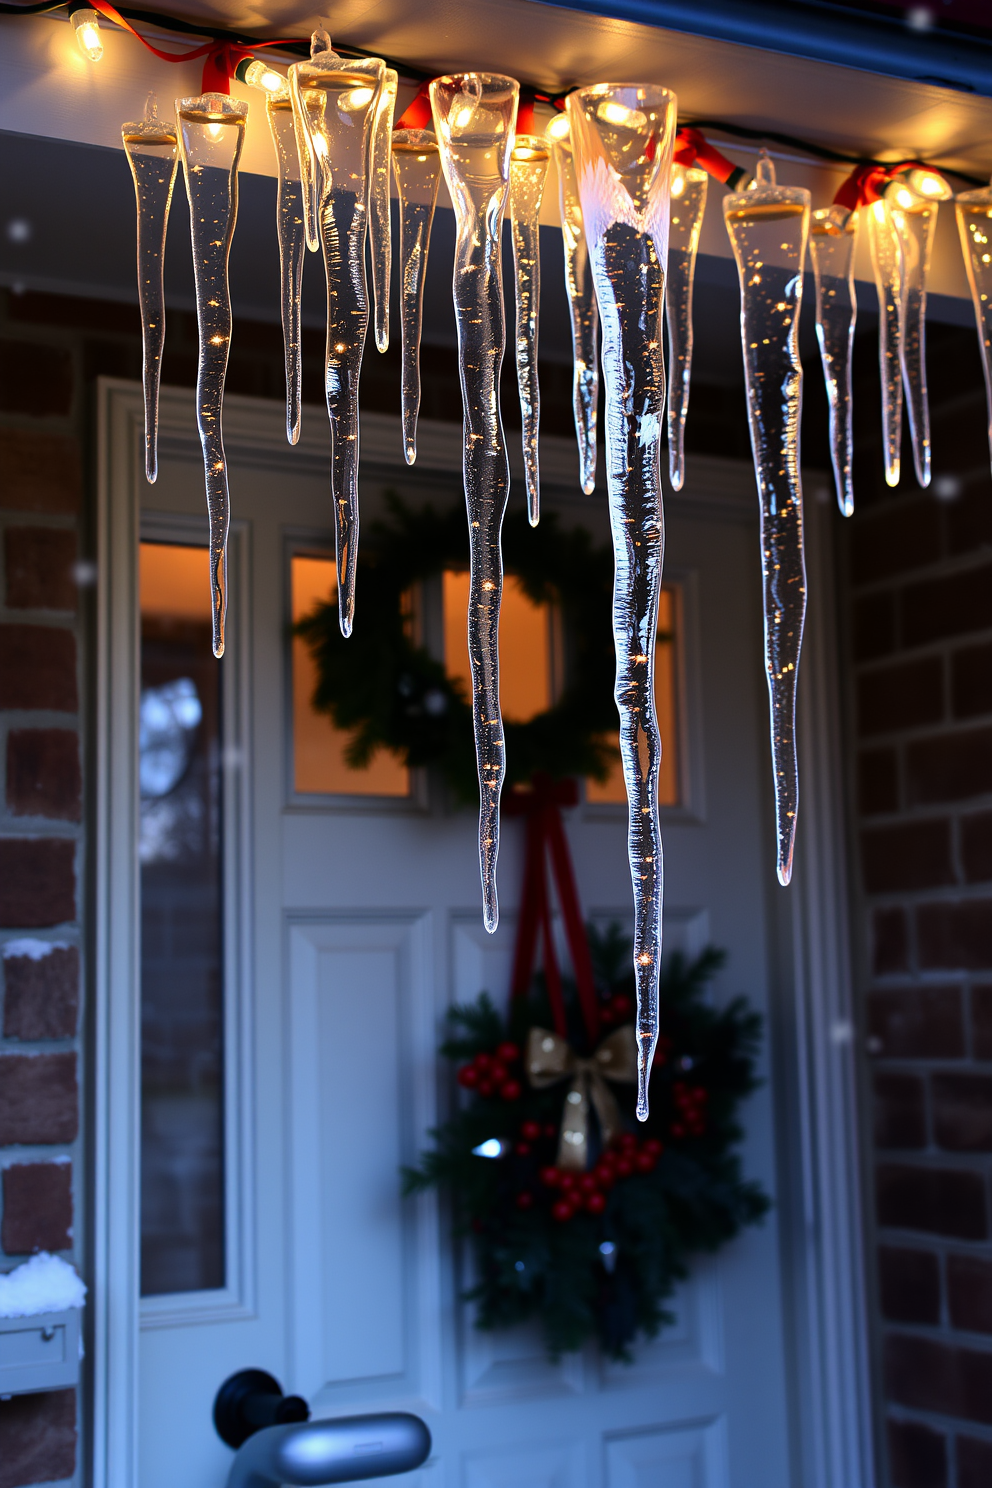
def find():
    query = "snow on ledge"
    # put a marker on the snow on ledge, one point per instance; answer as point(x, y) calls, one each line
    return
point(45, 1283)
point(34, 950)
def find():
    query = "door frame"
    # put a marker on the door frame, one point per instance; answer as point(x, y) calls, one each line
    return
point(812, 1032)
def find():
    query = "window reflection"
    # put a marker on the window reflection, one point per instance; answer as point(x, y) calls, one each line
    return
point(179, 850)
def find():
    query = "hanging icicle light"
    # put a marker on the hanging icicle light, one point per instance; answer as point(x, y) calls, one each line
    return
point(86, 25)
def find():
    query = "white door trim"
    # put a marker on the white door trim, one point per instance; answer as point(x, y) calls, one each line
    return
point(820, 1205)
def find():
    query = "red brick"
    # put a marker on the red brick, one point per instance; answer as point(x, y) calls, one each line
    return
point(949, 606)
point(974, 1462)
point(917, 1022)
point(976, 847)
point(874, 626)
point(935, 1201)
point(890, 941)
point(39, 472)
point(41, 995)
point(900, 697)
point(981, 1021)
point(37, 882)
point(43, 774)
point(955, 936)
point(38, 567)
point(35, 379)
point(909, 1285)
point(971, 681)
point(913, 855)
point(39, 1098)
point(903, 536)
point(962, 1112)
point(917, 1455)
point(900, 1111)
point(951, 767)
point(37, 1438)
point(878, 782)
point(38, 668)
point(926, 1375)
point(969, 1292)
point(37, 1207)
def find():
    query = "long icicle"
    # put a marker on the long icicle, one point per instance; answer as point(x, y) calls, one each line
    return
point(688, 206)
point(769, 227)
point(886, 257)
point(474, 118)
point(417, 168)
point(153, 155)
point(290, 228)
point(380, 224)
point(582, 308)
point(211, 137)
point(334, 103)
point(832, 253)
point(623, 137)
point(974, 215)
point(529, 164)
point(915, 226)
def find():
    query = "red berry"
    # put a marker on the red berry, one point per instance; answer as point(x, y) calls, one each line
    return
point(644, 1162)
point(498, 1072)
point(508, 1053)
point(653, 1146)
point(482, 1061)
point(512, 1090)
point(549, 1176)
point(587, 1183)
point(605, 1176)
point(566, 1180)
point(485, 1088)
point(550, 1130)
point(595, 1203)
point(531, 1130)
point(525, 1199)
point(523, 1149)
point(678, 1130)
point(561, 1211)
point(622, 1005)
point(628, 1142)
point(624, 1167)
point(468, 1076)
point(574, 1199)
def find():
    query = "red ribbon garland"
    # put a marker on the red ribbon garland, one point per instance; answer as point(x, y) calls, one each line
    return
point(546, 837)
point(221, 57)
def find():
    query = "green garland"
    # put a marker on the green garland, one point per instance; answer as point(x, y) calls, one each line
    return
point(390, 693)
point(597, 1254)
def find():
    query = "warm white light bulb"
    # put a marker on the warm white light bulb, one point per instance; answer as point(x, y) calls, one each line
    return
point(86, 24)
point(356, 98)
point(678, 181)
point(613, 112)
point(260, 75)
point(928, 184)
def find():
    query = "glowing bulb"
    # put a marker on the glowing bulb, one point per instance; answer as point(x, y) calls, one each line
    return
point(215, 130)
point(86, 24)
point(559, 128)
point(259, 75)
point(356, 98)
point(928, 184)
point(493, 1147)
point(612, 112)
point(878, 208)
point(319, 146)
point(678, 182)
point(463, 118)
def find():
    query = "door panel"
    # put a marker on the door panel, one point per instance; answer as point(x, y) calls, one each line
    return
point(365, 923)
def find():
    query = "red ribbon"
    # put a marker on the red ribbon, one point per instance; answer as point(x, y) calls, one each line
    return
point(221, 57)
point(693, 148)
point(866, 184)
point(418, 115)
point(546, 837)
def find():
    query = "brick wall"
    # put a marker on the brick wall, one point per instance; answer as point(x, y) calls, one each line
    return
point(920, 575)
point(41, 463)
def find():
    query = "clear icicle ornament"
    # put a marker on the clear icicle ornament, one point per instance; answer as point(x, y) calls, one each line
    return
point(153, 155)
point(380, 226)
point(688, 205)
point(417, 168)
point(334, 105)
point(529, 162)
point(915, 220)
point(211, 137)
point(581, 304)
point(290, 229)
point(474, 118)
point(622, 137)
point(769, 227)
point(831, 250)
point(886, 258)
point(974, 214)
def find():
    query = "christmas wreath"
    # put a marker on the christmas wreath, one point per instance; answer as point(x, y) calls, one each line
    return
point(389, 692)
point(578, 1215)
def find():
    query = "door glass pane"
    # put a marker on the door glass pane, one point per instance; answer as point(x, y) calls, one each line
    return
point(666, 703)
point(526, 661)
point(179, 851)
point(319, 764)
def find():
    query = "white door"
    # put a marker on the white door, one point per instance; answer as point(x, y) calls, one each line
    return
point(342, 926)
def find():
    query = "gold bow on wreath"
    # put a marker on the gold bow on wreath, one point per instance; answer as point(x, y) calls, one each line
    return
point(550, 1058)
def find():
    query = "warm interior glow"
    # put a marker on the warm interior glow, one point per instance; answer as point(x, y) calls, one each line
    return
point(86, 24)
point(559, 128)
point(174, 581)
point(357, 98)
point(929, 184)
point(526, 667)
point(319, 764)
point(666, 702)
point(612, 112)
